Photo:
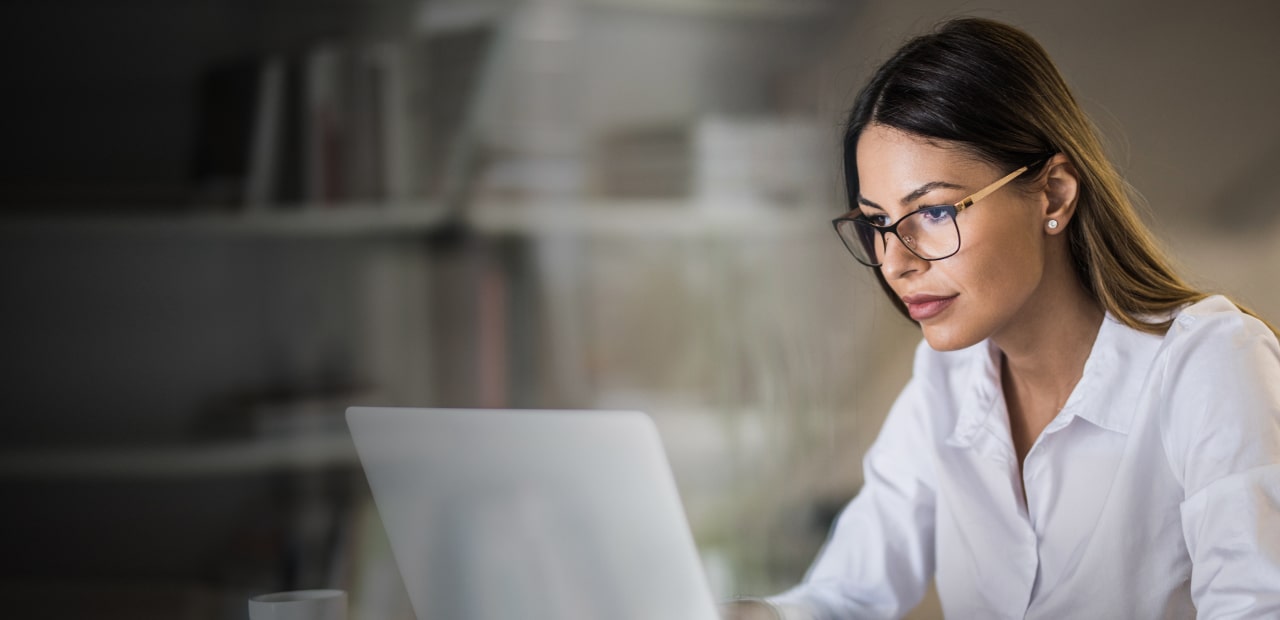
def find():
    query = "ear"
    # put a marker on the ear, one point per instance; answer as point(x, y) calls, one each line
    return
point(1061, 189)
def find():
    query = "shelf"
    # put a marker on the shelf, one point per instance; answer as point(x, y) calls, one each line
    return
point(437, 17)
point(350, 220)
point(762, 9)
point(301, 453)
point(656, 219)
point(665, 219)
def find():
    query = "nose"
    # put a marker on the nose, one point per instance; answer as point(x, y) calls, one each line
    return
point(898, 261)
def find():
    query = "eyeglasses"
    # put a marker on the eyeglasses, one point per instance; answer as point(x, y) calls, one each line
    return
point(930, 233)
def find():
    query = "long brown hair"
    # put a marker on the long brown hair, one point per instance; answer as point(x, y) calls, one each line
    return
point(992, 90)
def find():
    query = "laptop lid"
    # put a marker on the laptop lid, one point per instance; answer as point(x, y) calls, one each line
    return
point(540, 515)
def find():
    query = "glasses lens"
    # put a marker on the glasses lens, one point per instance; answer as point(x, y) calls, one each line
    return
point(931, 233)
point(861, 240)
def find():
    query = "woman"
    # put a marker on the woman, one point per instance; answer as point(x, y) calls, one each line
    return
point(1084, 435)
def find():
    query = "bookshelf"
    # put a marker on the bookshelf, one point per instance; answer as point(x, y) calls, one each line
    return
point(153, 309)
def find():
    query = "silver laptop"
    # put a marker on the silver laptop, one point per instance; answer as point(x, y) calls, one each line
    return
point(537, 515)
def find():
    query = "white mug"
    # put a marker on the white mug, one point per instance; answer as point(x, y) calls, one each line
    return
point(299, 605)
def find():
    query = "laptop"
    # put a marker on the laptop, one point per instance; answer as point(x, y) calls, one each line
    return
point(538, 515)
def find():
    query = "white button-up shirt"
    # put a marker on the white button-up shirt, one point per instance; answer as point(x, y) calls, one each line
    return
point(1154, 493)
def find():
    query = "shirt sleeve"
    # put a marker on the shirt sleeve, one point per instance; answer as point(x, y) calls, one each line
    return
point(880, 555)
point(1223, 439)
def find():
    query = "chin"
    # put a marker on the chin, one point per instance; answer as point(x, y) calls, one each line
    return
point(949, 338)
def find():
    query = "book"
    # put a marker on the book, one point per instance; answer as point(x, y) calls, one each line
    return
point(262, 185)
point(227, 100)
point(325, 125)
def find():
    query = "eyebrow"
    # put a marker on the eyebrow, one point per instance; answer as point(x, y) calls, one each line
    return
point(914, 195)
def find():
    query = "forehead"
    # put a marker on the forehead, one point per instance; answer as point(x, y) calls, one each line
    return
point(893, 163)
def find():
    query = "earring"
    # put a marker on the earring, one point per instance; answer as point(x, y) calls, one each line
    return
point(1053, 224)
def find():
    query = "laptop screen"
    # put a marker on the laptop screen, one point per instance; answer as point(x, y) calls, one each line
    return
point(541, 515)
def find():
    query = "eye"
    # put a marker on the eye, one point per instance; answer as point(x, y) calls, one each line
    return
point(936, 215)
point(878, 220)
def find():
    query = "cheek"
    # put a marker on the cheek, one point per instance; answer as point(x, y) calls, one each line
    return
point(1005, 262)
point(995, 261)
point(1005, 278)
point(996, 274)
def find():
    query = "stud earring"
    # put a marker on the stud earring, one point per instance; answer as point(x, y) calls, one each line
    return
point(1053, 224)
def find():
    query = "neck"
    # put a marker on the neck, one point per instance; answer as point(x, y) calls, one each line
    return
point(1045, 349)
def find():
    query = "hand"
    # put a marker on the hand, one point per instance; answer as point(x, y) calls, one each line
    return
point(748, 610)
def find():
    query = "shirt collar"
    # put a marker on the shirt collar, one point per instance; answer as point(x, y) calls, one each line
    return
point(1093, 398)
point(1104, 395)
point(980, 395)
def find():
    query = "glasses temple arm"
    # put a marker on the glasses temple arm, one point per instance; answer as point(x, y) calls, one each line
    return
point(986, 191)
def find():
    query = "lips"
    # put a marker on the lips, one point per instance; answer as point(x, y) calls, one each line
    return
point(924, 307)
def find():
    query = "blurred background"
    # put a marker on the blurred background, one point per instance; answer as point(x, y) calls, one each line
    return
point(225, 221)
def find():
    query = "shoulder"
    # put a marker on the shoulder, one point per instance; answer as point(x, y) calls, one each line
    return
point(1220, 392)
point(1216, 323)
point(1212, 340)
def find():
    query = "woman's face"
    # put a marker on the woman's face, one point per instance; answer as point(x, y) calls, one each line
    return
point(979, 291)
